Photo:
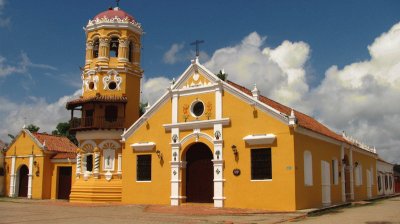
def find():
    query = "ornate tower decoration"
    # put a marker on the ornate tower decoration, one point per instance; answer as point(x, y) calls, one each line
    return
point(109, 102)
point(112, 73)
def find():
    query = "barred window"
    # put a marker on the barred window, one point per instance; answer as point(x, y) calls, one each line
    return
point(261, 165)
point(143, 169)
point(89, 163)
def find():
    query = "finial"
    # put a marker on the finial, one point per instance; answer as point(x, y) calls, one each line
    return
point(292, 118)
point(197, 43)
point(24, 127)
point(255, 92)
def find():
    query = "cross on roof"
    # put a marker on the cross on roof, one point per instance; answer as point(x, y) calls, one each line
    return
point(117, 1)
point(197, 43)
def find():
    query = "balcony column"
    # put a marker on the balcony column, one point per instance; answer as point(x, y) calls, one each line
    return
point(96, 162)
point(119, 172)
point(123, 50)
point(104, 49)
point(78, 163)
point(89, 52)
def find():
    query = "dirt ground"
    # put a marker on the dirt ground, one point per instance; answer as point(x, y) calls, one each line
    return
point(46, 211)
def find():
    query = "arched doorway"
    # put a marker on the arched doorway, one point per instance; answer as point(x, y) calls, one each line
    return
point(199, 174)
point(347, 187)
point(23, 181)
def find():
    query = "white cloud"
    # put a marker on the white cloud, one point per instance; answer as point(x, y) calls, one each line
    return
point(176, 53)
point(363, 97)
point(172, 56)
point(154, 88)
point(37, 111)
point(4, 21)
point(21, 67)
point(279, 73)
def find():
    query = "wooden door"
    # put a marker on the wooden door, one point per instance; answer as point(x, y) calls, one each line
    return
point(23, 181)
point(64, 182)
point(199, 174)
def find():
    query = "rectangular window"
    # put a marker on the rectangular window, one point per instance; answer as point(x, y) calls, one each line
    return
point(261, 164)
point(143, 169)
point(108, 159)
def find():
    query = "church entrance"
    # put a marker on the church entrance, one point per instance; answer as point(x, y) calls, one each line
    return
point(64, 182)
point(199, 174)
point(23, 181)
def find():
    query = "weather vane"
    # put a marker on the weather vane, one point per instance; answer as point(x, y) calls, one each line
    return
point(117, 1)
point(197, 43)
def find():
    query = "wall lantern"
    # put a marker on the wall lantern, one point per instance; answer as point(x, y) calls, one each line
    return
point(234, 149)
point(175, 155)
point(217, 153)
point(174, 138)
point(217, 135)
point(159, 154)
point(356, 164)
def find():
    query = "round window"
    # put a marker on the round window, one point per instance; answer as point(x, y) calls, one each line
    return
point(197, 108)
point(91, 85)
point(112, 85)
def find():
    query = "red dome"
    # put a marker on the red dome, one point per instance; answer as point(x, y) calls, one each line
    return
point(114, 12)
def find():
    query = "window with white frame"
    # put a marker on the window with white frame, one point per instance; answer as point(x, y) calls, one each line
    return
point(358, 174)
point(308, 171)
point(335, 171)
point(108, 159)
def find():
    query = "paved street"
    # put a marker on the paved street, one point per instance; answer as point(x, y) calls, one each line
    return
point(37, 211)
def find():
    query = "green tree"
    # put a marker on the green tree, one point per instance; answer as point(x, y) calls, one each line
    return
point(62, 129)
point(222, 75)
point(32, 128)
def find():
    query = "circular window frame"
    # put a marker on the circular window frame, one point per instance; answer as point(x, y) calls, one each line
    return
point(91, 85)
point(112, 83)
point(194, 103)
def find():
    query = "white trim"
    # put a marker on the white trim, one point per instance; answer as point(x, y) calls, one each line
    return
point(143, 181)
point(260, 139)
point(264, 180)
point(197, 136)
point(63, 160)
point(308, 168)
point(313, 134)
point(175, 108)
point(29, 194)
point(12, 178)
point(197, 124)
point(88, 142)
point(143, 147)
point(117, 145)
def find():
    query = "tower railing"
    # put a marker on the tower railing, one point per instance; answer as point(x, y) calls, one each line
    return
point(99, 122)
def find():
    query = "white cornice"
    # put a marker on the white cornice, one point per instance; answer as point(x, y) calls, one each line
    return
point(197, 124)
point(260, 139)
point(113, 25)
point(143, 146)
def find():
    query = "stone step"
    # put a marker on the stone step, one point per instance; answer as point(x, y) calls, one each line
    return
point(96, 191)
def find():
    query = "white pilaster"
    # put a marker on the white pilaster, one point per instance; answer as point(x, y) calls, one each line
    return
point(351, 174)
point(12, 177)
point(174, 108)
point(96, 165)
point(176, 166)
point(78, 165)
point(218, 174)
point(342, 171)
point(119, 171)
point(218, 183)
point(30, 176)
point(218, 102)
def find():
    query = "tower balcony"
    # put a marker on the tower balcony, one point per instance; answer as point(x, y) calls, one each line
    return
point(100, 122)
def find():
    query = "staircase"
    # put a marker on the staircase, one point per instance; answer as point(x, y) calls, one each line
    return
point(96, 191)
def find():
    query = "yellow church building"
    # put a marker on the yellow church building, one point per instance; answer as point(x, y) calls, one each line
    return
point(206, 140)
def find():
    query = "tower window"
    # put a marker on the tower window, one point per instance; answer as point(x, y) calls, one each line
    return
point(130, 52)
point(111, 113)
point(114, 44)
point(112, 85)
point(96, 48)
point(91, 85)
point(89, 163)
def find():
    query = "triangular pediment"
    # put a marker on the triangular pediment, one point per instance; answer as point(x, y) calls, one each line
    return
point(195, 76)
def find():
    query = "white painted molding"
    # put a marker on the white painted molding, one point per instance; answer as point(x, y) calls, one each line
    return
point(143, 147)
point(263, 139)
point(197, 124)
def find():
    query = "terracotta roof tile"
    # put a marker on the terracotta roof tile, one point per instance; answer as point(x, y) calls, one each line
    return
point(303, 120)
point(95, 99)
point(55, 143)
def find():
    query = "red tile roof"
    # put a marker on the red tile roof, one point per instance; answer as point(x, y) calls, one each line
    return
point(95, 99)
point(55, 143)
point(303, 120)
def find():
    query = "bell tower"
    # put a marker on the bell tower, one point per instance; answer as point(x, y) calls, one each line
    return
point(109, 103)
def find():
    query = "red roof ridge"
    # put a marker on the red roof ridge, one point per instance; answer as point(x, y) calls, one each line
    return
point(303, 119)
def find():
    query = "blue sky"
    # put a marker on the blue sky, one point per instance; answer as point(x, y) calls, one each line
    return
point(332, 48)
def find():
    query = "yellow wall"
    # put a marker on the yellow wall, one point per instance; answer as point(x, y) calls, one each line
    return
point(54, 176)
point(158, 190)
point(366, 161)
